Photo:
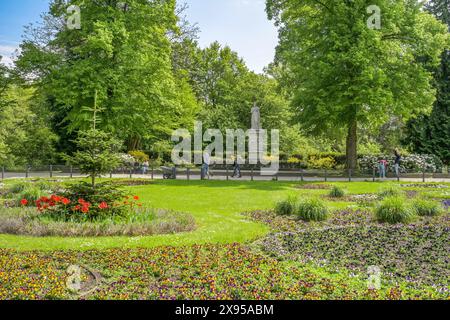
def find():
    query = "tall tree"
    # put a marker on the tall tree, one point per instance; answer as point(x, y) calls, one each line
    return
point(25, 137)
point(3, 86)
point(431, 133)
point(344, 72)
point(227, 89)
point(123, 52)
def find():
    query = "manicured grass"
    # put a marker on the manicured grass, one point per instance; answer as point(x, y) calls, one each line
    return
point(217, 207)
point(212, 263)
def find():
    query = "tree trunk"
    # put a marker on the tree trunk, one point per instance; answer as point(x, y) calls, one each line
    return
point(134, 143)
point(352, 145)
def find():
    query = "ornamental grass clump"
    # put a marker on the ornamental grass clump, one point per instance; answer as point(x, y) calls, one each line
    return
point(394, 210)
point(337, 192)
point(286, 207)
point(313, 209)
point(427, 208)
point(29, 195)
point(389, 192)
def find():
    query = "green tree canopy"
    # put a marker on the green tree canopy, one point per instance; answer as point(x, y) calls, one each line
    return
point(430, 134)
point(123, 53)
point(343, 73)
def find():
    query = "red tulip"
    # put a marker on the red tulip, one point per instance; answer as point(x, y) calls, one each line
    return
point(103, 205)
point(55, 198)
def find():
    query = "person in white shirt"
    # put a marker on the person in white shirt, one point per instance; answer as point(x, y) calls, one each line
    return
point(206, 163)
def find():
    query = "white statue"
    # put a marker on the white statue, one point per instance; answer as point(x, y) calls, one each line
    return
point(256, 118)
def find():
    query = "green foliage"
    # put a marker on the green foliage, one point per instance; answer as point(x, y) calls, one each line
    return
point(226, 90)
point(97, 154)
point(321, 163)
point(394, 209)
point(313, 209)
point(286, 207)
point(337, 192)
point(390, 191)
point(408, 163)
point(424, 207)
point(17, 187)
point(83, 194)
point(430, 134)
point(345, 75)
point(31, 193)
point(25, 137)
point(123, 54)
point(139, 156)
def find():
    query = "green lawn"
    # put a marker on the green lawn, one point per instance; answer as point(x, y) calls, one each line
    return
point(216, 205)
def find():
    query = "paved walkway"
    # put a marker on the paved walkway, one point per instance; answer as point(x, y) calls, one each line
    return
point(222, 176)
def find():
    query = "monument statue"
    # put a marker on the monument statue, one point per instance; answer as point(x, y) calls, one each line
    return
point(256, 118)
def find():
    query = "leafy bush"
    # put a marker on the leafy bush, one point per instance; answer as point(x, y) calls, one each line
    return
point(394, 210)
point(139, 156)
point(409, 163)
point(425, 207)
point(82, 202)
point(337, 192)
point(321, 163)
point(126, 159)
point(389, 192)
point(337, 158)
point(312, 209)
point(286, 207)
point(294, 160)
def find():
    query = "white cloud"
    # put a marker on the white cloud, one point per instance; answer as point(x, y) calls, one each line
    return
point(7, 52)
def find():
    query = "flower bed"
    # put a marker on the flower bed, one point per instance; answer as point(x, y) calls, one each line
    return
point(287, 223)
point(141, 222)
point(197, 272)
point(415, 254)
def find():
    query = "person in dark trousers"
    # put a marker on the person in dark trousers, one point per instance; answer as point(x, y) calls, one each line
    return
point(237, 168)
point(397, 161)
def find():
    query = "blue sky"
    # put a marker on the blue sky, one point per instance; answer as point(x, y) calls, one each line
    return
point(241, 24)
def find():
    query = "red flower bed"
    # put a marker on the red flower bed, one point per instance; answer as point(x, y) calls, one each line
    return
point(63, 208)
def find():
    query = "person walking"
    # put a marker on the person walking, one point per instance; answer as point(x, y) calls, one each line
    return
point(145, 166)
point(398, 159)
point(206, 164)
point(382, 166)
point(237, 168)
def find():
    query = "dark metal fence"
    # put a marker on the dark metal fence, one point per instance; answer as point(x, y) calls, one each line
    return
point(221, 173)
